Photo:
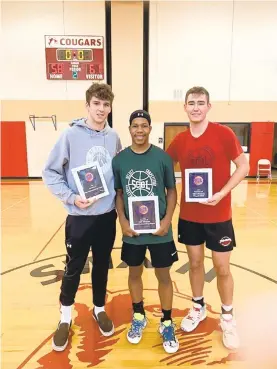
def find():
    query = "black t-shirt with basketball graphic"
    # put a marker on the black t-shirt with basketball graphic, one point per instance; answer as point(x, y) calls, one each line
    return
point(147, 174)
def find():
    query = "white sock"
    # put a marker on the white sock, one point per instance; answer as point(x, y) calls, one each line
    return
point(198, 298)
point(65, 314)
point(98, 309)
point(227, 308)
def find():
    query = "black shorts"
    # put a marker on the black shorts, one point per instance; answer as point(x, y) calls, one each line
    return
point(163, 255)
point(218, 237)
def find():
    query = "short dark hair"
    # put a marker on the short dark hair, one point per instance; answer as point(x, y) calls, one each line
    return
point(197, 90)
point(101, 91)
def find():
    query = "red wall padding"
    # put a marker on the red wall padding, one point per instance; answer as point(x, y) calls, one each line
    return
point(13, 150)
point(261, 144)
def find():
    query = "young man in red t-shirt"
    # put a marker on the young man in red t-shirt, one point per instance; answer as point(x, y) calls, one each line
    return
point(212, 146)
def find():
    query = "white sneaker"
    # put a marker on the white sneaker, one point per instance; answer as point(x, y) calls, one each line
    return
point(196, 314)
point(230, 335)
point(134, 334)
point(170, 341)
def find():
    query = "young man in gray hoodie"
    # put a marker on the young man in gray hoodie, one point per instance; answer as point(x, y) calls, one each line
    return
point(89, 224)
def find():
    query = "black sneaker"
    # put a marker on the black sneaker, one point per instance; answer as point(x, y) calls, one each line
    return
point(105, 324)
point(60, 338)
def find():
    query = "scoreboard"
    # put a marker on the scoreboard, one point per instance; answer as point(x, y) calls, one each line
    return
point(74, 57)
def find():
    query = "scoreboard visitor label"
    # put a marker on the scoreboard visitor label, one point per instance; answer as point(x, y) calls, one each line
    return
point(74, 57)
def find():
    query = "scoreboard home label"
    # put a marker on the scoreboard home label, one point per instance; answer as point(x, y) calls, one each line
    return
point(74, 57)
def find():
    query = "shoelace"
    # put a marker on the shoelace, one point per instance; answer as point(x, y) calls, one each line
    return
point(194, 314)
point(168, 333)
point(136, 327)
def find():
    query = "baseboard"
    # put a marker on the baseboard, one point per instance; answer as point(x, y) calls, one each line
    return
point(20, 178)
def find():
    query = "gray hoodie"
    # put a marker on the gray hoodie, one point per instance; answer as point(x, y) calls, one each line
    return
point(79, 145)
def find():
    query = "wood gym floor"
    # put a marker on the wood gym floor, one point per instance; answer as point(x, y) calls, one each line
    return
point(33, 256)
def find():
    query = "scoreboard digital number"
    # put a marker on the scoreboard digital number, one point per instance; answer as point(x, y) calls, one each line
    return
point(74, 57)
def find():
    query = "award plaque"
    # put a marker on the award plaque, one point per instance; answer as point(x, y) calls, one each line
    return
point(90, 181)
point(144, 214)
point(199, 184)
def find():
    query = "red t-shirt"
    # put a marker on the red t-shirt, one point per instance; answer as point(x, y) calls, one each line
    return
point(215, 149)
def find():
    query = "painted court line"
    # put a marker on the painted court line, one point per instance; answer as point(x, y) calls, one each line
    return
point(261, 215)
point(44, 247)
point(11, 206)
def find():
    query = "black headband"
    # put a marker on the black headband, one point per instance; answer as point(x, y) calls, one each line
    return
point(140, 114)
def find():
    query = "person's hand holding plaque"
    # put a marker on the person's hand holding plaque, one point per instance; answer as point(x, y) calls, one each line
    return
point(144, 214)
point(214, 200)
point(126, 229)
point(164, 227)
point(84, 203)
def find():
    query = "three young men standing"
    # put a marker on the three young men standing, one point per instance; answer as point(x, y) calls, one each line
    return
point(144, 169)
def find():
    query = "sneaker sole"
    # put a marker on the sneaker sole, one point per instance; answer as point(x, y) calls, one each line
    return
point(171, 350)
point(133, 342)
point(229, 347)
point(201, 320)
point(59, 348)
point(106, 334)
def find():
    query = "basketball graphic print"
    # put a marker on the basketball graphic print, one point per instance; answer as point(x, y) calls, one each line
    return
point(140, 183)
point(89, 177)
point(100, 155)
point(201, 158)
point(198, 180)
point(143, 209)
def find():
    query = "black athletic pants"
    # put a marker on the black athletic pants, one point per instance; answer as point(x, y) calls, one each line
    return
point(83, 233)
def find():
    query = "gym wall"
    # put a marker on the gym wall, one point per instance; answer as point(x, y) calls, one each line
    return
point(229, 50)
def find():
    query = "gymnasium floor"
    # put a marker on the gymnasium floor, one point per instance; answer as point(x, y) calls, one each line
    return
point(32, 267)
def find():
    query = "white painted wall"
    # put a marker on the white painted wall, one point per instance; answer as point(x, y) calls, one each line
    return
point(190, 44)
point(39, 144)
point(24, 25)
